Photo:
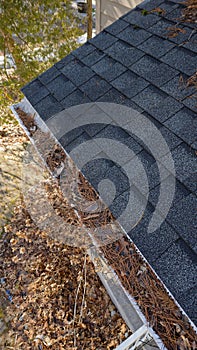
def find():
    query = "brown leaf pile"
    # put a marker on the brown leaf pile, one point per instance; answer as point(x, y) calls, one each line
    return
point(60, 204)
point(58, 301)
point(56, 160)
point(28, 120)
point(100, 218)
point(55, 157)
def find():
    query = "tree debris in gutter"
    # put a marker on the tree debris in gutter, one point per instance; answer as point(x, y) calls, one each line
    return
point(141, 282)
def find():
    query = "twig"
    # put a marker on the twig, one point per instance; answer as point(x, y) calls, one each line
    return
point(75, 306)
point(84, 289)
point(7, 172)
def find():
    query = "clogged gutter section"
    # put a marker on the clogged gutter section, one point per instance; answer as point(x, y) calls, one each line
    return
point(161, 311)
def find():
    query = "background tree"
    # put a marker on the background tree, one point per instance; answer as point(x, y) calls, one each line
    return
point(37, 34)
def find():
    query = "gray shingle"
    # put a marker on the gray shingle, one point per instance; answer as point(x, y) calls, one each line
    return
point(133, 36)
point(194, 145)
point(119, 179)
point(188, 301)
point(93, 57)
point(76, 98)
point(184, 160)
point(184, 124)
point(94, 128)
point(191, 183)
point(120, 155)
point(182, 36)
point(75, 62)
point(35, 91)
point(133, 145)
point(176, 15)
point(153, 71)
point(70, 136)
point(177, 267)
point(161, 28)
point(153, 120)
point(130, 204)
point(77, 72)
point(180, 192)
point(156, 46)
point(179, 58)
point(149, 167)
point(167, 7)
point(124, 53)
point(82, 137)
point(152, 173)
point(79, 157)
point(119, 134)
point(113, 132)
point(39, 95)
point(133, 105)
point(108, 69)
point(129, 84)
point(32, 88)
point(83, 50)
point(145, 65)
point(143, 21)
point(171, 139)
point(49, 75)
point(191, 102)
point(154, 244)
point(103, 40)
point(150, 5)
point(146, 158)
point(183, 218)
point(177, 1)
point(47, 107)
point(95, 88)
point(177, 87)
point(116, 27)
point(67, 59)
point(93, 120)
point(96, 169)
point(113, 95)
point(61, 87)
point(158, 104)
point(191, 44)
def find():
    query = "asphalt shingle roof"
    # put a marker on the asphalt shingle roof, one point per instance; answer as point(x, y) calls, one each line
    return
point(135, 62)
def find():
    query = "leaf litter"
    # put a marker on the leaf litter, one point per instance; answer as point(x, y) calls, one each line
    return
point(57, 300)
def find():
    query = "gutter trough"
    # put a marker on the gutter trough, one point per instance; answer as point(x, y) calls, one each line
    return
point(143, 336)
